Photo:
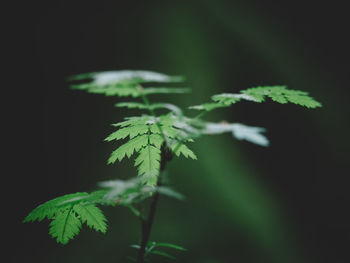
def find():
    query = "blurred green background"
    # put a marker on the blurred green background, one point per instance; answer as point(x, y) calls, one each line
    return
point(283, 204)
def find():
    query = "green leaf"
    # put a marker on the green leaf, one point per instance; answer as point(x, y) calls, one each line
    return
point(93, 217)
point(282, 95)
point(69, 212)
point(230, 98)
point(128, 148)
point(65, 225)
point(181, 148)
point(50, 208)
point(157, 140)
point(148, 163)
point(278, 94)
point(130, 131)
point(137, 120)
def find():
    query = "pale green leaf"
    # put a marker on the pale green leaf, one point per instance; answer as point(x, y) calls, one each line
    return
point(125, 83)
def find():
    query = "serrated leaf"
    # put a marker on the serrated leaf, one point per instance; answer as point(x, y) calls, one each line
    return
point(49, 208)
point(93, 217)
point(148, 163)
point(64, 226)
point(278, 94)
point(180, 148)
point(128, 148)
point(69, 212)
point(156, 139)
point(282, 95)
point(136, 120)
point(130, 131)
point(231, 98)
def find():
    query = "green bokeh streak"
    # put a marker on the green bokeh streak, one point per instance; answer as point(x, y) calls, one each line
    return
point(224, 173)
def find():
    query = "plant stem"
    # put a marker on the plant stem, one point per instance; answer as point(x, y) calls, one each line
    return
point(146, 225)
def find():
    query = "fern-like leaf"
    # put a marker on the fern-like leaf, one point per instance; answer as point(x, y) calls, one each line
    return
point(148, 163)
point(65, 225)
point(49, 208)
point(278, 94)
point(181, 148)
point(146, 137)
point(229, 98)
point(93, 217)
point(69, 212)
point(128, 148)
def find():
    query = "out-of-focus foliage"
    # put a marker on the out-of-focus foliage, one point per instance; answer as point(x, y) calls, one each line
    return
point(278, 94)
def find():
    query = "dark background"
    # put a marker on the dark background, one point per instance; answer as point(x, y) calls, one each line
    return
point(245, 203)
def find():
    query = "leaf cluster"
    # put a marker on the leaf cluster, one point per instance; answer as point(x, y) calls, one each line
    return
point(145, 136)
point(152, 138)
point(69, 212)
point(278, 94)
